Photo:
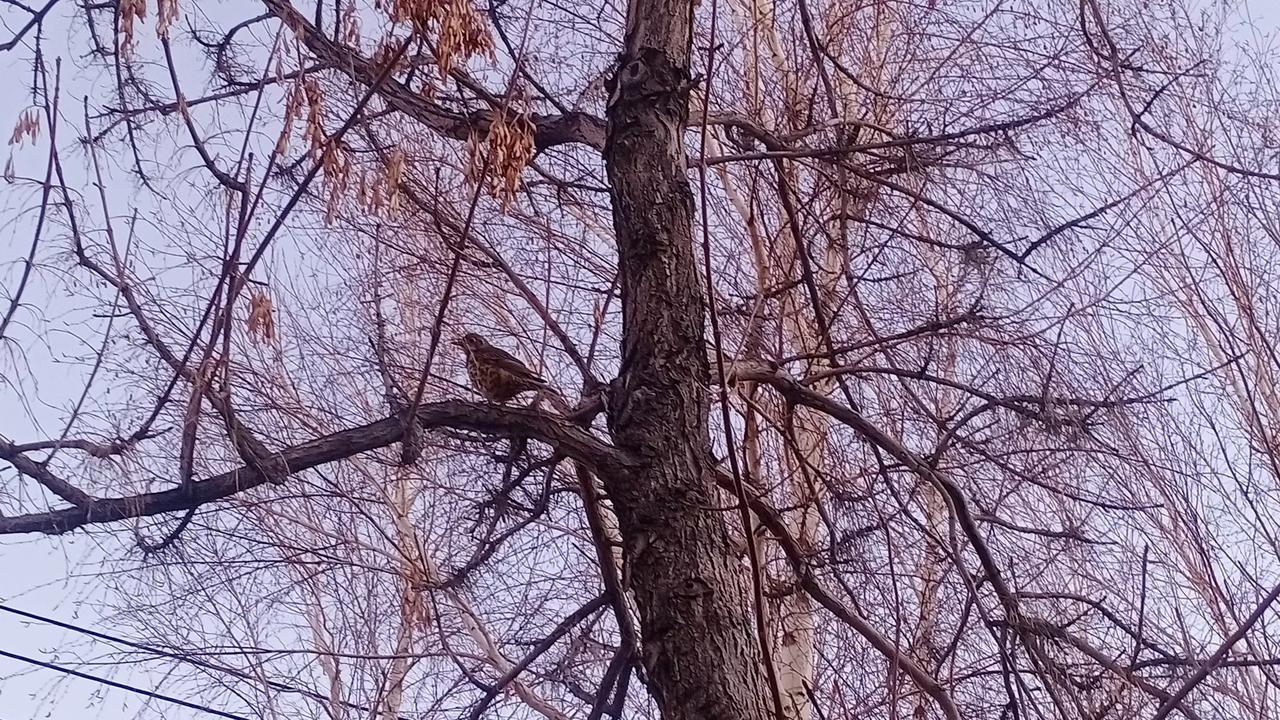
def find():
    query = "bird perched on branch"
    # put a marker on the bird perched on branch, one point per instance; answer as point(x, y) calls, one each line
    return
point(495, 373)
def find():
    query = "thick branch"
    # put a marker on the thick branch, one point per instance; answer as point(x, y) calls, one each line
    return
point(549, 130)
point(41, 474)
point(561, 435)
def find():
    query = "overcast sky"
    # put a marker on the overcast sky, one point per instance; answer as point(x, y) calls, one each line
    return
point(64, 578)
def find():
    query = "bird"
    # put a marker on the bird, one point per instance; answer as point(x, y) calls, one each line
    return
point(495, 373)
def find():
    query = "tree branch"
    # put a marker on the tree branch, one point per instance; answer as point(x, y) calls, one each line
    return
point(560, 434)
point(549, 130)
point(40, 473)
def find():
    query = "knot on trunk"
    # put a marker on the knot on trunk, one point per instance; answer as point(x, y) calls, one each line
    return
point(648, 75)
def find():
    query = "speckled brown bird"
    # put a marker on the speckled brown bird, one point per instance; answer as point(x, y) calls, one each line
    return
point(495, 373)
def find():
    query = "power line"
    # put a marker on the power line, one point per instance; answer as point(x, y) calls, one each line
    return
point(106, 637)
point(121, 686)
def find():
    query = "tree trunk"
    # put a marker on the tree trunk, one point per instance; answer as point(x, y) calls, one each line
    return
point(700, 649)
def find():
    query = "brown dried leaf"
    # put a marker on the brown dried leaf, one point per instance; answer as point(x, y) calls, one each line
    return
point(350, 26)
point(130, 12)
point(508, 148)
point(315, 114)
point(394, 170)
point(166, 15)
point(261, 322)
point(463, 33)
point(28, 125)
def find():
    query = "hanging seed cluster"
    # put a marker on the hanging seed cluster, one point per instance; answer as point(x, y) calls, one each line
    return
point(378, 188)
point(498, 159)
point(262, 320)
point(292, 107)
point(337, 166)
point(313, 103)
point(28, 126)
point(496, 154)
point(460, 30)
point(390, 185)
point(166, 15)
point(131, 11)
point(307, 100)
point(350, 26)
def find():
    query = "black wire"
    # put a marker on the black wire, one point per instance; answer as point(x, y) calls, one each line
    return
point(273, 684)
point(98, 635)
point(120, 685)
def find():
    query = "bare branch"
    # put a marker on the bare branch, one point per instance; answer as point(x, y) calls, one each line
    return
point(560, 435)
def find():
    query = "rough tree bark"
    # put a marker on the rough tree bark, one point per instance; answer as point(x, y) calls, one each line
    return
point(699, 644)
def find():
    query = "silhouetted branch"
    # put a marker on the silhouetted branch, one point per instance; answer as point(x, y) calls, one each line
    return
point(556, 432)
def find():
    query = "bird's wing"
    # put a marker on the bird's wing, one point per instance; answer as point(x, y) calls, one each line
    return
point(510, 363)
